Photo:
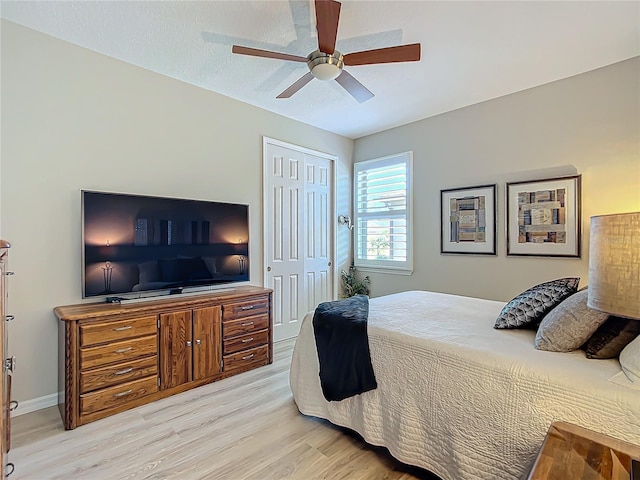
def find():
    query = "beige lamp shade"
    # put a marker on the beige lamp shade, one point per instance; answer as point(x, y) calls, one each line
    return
point(614, 264)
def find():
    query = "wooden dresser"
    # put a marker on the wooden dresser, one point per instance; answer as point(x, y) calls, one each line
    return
point(119, 356)
point(6, 468)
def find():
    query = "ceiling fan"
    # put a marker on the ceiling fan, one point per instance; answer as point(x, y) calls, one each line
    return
point(327, 63)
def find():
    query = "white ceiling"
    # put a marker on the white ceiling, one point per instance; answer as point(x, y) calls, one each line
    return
point(471, 51)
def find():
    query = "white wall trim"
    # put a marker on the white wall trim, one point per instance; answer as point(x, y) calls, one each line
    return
point(28, 406)
point(298, 148)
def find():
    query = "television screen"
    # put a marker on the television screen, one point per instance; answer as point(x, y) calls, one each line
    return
point(135, 243)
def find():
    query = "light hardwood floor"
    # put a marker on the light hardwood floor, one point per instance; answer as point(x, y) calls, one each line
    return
point(243, 427)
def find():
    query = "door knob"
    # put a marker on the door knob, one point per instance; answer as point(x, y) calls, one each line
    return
point(268, 269)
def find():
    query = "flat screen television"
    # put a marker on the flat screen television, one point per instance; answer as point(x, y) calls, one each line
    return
point(132, 244)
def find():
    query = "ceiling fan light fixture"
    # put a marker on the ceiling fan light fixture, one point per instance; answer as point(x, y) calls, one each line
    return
point(326, 71)
point(324, 66)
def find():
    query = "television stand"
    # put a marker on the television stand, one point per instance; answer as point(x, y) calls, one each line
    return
point(118, 356)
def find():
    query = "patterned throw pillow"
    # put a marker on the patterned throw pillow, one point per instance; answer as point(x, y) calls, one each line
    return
point(612, 336)
point(527, 309)
point(569, 325)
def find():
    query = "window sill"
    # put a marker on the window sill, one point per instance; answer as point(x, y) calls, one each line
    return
point(390, 271)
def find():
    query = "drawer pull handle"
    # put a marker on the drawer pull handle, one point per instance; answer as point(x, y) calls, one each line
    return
point(247, 307)
point(249, 356)
point(13, 405)
point(122, 372)
point(247, 340)
point(122, 350)
point(120, 329)
point(8, 318)
point(246, 324)
point(123, 393)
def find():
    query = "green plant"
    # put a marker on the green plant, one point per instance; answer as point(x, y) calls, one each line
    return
point(380, 244)
point(351, 285)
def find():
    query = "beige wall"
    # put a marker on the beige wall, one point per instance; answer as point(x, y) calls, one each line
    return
point(73, 119)
point(587, 124)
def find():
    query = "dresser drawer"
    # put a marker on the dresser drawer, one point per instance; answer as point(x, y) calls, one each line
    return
point(245, 342)
point(247, 358)
point(118, 395)
point(246, 308)
point(120, 330)
point(118, 352)
point(119, 373)
point(242, 326)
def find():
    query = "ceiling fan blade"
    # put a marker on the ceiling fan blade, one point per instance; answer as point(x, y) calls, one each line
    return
point(354, 87)
point(256, 52)
point(401, 53)
point(327, 17)
point(297, 85)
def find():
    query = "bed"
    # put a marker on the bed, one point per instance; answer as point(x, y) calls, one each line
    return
point(459, 398)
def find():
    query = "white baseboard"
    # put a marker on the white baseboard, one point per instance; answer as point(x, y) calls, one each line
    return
point(28, 406)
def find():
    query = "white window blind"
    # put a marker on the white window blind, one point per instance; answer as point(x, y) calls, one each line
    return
point(382, 217)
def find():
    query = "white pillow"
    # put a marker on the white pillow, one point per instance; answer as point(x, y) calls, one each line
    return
point(630, 361)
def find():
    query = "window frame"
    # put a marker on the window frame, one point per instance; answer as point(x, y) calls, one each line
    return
point(384, 265)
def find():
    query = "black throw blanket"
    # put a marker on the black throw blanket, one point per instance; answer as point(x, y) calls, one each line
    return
point(340, 330)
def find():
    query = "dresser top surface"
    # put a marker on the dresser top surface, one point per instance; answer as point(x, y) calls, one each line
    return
point(89, 310)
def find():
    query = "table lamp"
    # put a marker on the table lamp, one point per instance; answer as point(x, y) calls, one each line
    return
point(614, 272)
point(614, 265)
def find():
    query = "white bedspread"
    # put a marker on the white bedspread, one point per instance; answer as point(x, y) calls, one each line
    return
point(460, 398)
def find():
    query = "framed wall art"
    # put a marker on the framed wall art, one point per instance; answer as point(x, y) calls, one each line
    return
point(468, 220)
point(544, 217)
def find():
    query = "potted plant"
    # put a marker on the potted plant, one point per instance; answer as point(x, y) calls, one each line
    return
point(351, 285)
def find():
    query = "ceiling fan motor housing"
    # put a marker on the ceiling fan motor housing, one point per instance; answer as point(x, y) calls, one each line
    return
point(325, 66)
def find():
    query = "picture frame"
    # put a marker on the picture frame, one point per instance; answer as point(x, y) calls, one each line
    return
point(544, 217)
point(468, 220)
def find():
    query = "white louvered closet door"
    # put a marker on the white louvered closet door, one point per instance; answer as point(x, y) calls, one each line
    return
point(298, 216)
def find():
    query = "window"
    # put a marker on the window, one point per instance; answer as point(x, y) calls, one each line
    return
point(382, 198)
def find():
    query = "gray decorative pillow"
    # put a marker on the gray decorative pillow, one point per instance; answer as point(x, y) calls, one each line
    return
point(569, 325)
point(527, 309)
point(611, 338)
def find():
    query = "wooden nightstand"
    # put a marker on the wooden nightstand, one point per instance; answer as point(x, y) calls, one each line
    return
point(570, 452)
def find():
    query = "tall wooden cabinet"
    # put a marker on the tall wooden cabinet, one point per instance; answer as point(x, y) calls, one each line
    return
point(119, 356)
point(6, 468)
